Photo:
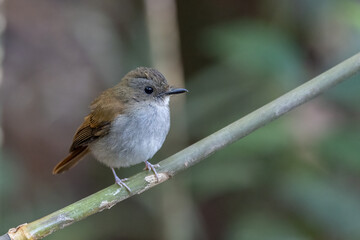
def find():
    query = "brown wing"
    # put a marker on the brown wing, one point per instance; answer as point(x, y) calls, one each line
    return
point(90, 130)
point(97, 124)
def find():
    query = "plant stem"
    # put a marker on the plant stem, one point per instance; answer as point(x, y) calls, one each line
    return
point(191, 155)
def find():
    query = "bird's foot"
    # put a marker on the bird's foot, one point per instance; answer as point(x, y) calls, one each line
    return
point(120, 182)
point(151, 167)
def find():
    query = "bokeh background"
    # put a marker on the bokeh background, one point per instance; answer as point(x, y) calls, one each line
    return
point(297, 178)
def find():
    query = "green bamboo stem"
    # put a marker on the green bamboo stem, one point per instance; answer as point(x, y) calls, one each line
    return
point(191, 155)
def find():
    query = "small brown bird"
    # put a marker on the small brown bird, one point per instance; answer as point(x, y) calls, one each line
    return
point(127, 124)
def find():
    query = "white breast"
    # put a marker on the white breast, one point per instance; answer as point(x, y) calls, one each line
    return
point(134, 137)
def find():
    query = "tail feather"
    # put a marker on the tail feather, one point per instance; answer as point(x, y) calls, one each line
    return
point(71, 160)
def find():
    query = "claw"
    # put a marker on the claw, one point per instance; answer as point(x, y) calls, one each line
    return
point(151, 167)
point(120, 182)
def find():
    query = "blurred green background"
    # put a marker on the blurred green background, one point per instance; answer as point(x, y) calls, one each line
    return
point(297, 178)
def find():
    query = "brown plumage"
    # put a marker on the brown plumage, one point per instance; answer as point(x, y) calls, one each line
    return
point(127, 124)
point(71, 160)
point(95, 125)
point(104, 109)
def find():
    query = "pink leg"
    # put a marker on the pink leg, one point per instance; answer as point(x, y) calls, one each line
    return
point(119, 182)
point(151, 167)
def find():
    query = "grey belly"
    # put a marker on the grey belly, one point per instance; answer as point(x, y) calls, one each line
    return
point(132, 141)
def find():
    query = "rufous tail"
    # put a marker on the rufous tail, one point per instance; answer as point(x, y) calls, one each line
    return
point(71, 160)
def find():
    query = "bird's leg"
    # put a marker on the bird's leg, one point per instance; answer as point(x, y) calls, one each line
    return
point(119, 182)
point(151, 167)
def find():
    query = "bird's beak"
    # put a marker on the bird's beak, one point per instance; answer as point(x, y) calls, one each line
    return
point(176, 91)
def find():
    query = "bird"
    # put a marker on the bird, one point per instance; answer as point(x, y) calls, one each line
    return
point(127, 123)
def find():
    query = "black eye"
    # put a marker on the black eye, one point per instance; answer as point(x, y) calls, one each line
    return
point(148, 90)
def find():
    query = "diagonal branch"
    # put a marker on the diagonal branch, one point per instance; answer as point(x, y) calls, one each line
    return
point(191, 155)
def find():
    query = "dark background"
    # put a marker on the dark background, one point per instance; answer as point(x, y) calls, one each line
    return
point(296, 179)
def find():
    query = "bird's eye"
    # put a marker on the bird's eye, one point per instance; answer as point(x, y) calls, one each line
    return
point(148, 90)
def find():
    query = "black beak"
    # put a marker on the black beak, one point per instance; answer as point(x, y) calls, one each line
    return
point(176, 91)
